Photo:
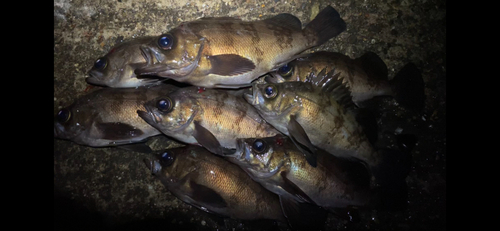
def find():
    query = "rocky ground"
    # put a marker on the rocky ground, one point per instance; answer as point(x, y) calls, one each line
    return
point(111, 188)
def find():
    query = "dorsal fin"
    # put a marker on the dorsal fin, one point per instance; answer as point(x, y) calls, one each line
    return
point(333, 86)
point(373, 65)
point(287, 20)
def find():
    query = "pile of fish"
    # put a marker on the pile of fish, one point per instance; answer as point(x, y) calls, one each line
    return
point(270, 131)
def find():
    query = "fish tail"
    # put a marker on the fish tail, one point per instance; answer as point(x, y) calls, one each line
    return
point(408, 87)
point(326, 25)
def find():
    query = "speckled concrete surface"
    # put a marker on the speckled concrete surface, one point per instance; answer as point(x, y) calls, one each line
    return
point(111, 188)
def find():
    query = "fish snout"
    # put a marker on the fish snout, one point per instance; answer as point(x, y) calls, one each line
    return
point(153, 165)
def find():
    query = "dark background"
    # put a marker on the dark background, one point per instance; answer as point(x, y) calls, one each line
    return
point(110, 188)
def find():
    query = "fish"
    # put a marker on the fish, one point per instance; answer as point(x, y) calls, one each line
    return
point(324, 118)
point(226, 52)
point(116, 68)
point(107, 117)
point(213, 184)
point(366, 77)
point(212, 118)
point(278, 165)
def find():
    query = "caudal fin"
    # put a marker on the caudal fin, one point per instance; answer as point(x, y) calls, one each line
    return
point(326, 25)
point(408, 87)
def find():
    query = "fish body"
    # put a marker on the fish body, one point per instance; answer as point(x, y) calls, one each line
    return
point(230, 53)
point(116, 68)
point(314, 117)
point(208, 117)
point(108, 117)
point(213, 184)
point(366, 76)
point(278, 165)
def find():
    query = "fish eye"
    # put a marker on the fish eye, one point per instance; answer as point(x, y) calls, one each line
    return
point(286, 70)
point(63, 115)
point(101, 63)
point(165, 41)
point(259, 146)
point(164, 105)
point(167, 158)
point(270, 91)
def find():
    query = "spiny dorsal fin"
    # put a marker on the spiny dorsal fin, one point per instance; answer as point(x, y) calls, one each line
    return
point(330, 83)
point(373, 65)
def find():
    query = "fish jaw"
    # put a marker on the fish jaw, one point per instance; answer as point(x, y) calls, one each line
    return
point(150, 116)
point(95, 78)
point(157, 63)
point(153, 165)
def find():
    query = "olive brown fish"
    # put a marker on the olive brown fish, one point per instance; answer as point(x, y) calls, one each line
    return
point(213, 184)
point(116, 68)
point(107, 116)
point(230, 53)
point(213, 118)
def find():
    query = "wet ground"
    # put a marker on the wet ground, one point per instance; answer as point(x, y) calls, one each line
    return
point(110, 188)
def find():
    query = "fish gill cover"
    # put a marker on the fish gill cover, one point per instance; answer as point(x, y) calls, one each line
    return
point(110, 188)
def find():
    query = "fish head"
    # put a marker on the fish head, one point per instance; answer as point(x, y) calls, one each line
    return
point(117, 67)
point(260, 157)
point(73, 123)
point(174, 54)
point(170, 113)
point(286, 73)
point(170, 165)
point(272, 101)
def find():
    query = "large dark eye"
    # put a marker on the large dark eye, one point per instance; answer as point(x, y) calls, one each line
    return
point(285, 71)
point(167, 158)
point(63, 115)
point(259, 146)
point(101, 63)
point(165, 41)
point(164, 105)
point(270, 91)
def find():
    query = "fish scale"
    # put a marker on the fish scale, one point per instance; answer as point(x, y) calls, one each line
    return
point(213, 184)
point(231, 53)
point(221, 117)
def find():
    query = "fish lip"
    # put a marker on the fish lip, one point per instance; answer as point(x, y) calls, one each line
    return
point(156, 68)
point(149, 116)
point(240, 149)
point(252, 98)
point(94, 78)
point(153, 165)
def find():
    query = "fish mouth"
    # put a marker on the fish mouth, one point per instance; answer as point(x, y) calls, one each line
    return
point(153, 165)
point(253, 95)
point(158, 68)
point(94, 79)
point(273, 78)
point(149, 116)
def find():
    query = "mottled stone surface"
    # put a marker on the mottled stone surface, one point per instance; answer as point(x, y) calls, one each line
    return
point(111, 188)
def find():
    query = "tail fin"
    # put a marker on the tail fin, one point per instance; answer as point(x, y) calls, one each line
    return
point(408, 87)
point(326, 25)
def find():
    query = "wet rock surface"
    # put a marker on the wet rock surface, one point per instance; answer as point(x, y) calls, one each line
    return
point(110, 188)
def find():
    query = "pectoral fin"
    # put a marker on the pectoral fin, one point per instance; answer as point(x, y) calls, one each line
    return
point(206, 196)
point(207, 139)
point(230, 64)
point(301, 140)
point(117, 131)
point(293, 189)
